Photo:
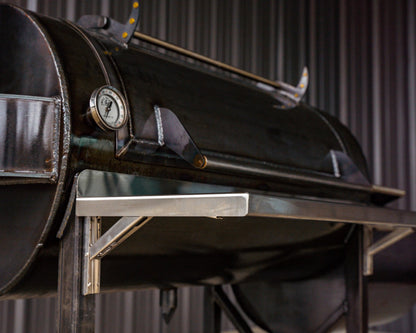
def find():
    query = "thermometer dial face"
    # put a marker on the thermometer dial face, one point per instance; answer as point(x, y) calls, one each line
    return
point(108, 108)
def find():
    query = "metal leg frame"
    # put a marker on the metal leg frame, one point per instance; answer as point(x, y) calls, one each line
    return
point(332, 319)
point(216, 300)
point(221, 298)
point(356, 283)
point(212, 313)
point(360, 251)
point(76, 312)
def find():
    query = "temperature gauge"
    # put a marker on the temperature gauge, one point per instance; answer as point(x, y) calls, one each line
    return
point(108, 108)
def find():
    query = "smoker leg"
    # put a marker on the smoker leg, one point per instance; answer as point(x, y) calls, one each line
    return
point(212, 313)
point(75, 313)
point(216, 300)
point(230, 310)
point(356, 284)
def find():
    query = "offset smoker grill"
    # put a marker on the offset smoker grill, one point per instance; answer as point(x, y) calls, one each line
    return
point(124, 168)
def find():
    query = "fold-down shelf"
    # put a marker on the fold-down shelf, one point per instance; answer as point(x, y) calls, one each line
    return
point(125, 196)
point(243, 204)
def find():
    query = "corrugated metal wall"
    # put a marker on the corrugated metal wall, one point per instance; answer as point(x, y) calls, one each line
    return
point(362, 59)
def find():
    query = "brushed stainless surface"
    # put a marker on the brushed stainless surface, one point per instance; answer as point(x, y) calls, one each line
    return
point(26, 150)
point(91, 268)
point(202, 205)
point(94, 183)
point(120, 231)
point(312, 210)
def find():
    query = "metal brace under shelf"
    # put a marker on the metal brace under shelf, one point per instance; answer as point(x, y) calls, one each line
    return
point(371, 249)
point(96, 246)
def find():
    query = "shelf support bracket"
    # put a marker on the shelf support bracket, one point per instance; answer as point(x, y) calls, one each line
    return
point(371, 249)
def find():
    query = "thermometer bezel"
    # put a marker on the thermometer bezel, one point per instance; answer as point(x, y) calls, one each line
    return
point(118, 97)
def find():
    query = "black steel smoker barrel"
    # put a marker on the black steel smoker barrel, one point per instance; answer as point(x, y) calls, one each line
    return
point(186, 123)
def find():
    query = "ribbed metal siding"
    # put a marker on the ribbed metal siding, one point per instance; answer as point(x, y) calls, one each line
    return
point(362, 59)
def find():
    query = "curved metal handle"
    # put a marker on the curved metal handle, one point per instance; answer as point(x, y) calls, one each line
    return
point(289, 96)
point(121, 33)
